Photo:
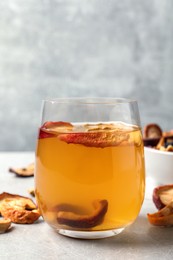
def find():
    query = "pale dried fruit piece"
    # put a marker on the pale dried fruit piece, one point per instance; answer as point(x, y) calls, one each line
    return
point(18, 209)
point(95, 139)
point(4, 225)
point(163, 217)
point(23, 172)
point(162, 195)
point(100, 127)
point(66, 215)
point(57, 126)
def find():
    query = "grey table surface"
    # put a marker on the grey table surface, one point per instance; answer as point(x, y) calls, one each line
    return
point(38, 241)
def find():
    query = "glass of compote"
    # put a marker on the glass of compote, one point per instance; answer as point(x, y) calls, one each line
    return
point(89, 169)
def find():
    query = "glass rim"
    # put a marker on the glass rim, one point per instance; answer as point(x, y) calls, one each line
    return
point(90, 100)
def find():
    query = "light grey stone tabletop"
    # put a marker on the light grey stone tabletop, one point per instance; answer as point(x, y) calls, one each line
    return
point(39, 241)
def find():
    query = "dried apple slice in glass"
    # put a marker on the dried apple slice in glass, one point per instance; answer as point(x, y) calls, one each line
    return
point(70, 217)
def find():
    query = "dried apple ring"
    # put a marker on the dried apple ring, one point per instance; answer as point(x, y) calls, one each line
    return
point(76, 220)
point(24, 172)
point(18, 209)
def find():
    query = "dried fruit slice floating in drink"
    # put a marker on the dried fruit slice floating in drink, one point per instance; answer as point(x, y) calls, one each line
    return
point(50, 129)
point(163, 200)
point(71, 215)
point(23, 172)
point(91, 135)
point(18, 209)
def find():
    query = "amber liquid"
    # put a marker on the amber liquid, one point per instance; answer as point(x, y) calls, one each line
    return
point(77, 174)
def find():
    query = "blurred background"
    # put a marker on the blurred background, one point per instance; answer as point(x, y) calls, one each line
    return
point(76, 48)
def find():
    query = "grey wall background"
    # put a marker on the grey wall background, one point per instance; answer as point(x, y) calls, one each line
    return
point(59, 48)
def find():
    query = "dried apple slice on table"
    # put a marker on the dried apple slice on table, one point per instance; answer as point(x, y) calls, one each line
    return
point(163, 200)
point(23, 172)
point(163, 217)
point(18, 209)
point(162, 195)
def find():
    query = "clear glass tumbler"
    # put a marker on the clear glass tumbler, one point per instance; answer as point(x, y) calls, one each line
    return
point(90, 174)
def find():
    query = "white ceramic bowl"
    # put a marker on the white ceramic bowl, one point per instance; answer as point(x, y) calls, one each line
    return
point(159, 166)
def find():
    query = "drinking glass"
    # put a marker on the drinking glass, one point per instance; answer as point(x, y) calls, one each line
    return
point(90, 176)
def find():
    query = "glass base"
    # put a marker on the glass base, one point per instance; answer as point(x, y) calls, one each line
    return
point(90, 234)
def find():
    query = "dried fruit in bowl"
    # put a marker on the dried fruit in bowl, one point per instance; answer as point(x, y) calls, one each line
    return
point(154, 137)
point(166, 142)
point(18, 209)
point(152, 131)
point(23, 172)
point(152, 134)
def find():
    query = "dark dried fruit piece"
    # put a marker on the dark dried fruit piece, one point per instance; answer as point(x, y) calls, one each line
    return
point(95, 139)
point(73, 219)
point(152, 131)
point(23, 172)
point(151, 142)
point(152, 134)
point(163, 217)
point(162, 195)
point(18, 209)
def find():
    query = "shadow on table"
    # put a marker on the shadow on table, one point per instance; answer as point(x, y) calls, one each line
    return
point(139, 235)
